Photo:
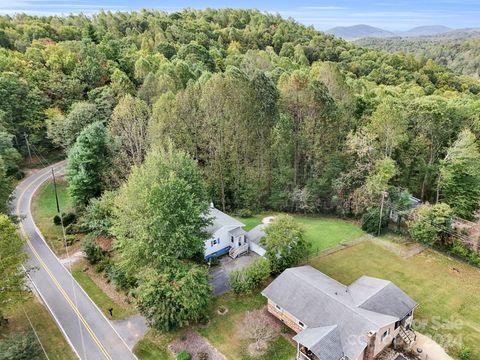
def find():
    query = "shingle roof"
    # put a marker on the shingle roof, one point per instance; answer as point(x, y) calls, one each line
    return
point(319, 301)
point(219, 220)
point(325, 342)
point(381, 296)
point(257, 233)
point(237, 231)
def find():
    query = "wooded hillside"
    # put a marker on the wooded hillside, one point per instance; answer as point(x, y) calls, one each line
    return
point(276, 114)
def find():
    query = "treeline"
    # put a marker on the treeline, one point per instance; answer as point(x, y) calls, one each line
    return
point(460, 55)
point(276, 114)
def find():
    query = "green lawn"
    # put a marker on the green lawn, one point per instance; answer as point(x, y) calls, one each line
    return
point(153, 346)
point(321, 232)
point(50, 336)
point(103, 301)
point(447, 290)
point(222, 330)
point(44, 208)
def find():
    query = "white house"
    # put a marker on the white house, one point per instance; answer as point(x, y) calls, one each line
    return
point(228, 236)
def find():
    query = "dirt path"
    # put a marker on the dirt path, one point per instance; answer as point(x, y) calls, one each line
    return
point(430, 349)
point(195, 344)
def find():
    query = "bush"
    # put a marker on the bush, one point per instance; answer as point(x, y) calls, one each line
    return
point(20, 346)
point(214, 261)
point(465, 354)
point(70, 240)
point(68, 218)
point(371, 219)
point(245, 213)
point(57, 220)
point(248, 279)
point(92, 251)
point(183, 356)
point(103, 265)
point(119, 277)
point(72, 229)
point(463, 252)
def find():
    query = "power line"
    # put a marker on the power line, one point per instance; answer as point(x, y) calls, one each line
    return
point(36, 334)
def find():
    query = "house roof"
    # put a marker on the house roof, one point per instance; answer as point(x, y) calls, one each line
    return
point(257, 233)
point(325, 341)
point(237, 231)
point(320, 301)
point(220, 220)
point(381, 296)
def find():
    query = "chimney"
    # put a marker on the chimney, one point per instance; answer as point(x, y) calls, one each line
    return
point(370, 349)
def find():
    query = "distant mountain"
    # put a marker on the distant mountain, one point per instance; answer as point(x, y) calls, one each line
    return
point(425, 31)
point(359, 31)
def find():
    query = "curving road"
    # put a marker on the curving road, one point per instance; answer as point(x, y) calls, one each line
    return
point(85, 327)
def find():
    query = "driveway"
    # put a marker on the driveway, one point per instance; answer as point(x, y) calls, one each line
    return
point(219, 274)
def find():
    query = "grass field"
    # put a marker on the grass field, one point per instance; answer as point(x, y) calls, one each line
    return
point(50, 336)
point(153, 346)
point(447, 290)
point(321, 232)
point(222, 330)
point(103, 301)
point(44, 208)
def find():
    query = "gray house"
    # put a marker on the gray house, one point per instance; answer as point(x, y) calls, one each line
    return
point(338, 322)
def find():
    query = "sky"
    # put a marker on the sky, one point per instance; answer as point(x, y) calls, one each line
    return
point(322, 14)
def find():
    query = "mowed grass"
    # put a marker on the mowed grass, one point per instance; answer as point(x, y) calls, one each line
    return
point(103, 301)
point(223, 330)
point(44, 208)
point(447, 290)
point(321, 232)
point(154, 345)
point(50, 336)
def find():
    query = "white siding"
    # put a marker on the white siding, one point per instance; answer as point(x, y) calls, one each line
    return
point(257, 249)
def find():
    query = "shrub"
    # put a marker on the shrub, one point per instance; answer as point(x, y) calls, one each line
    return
point(431, 224)
point(68, 218)
point(103, 265)
point(214, 261)
point(119, 277)
point(20, 346)
point(183, 356)
point(70, 240)
point(57, 220)
point(92, 251)
point(463, 252)
point(245, 213)
point(248, 279)
point(465, 354)
point(371, 219)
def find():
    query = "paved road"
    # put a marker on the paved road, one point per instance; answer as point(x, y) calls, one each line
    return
point(85, 327)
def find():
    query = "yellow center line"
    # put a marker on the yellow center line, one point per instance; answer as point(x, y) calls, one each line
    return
point(57, 284)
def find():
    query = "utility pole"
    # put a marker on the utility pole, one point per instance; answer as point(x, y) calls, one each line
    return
point(56, 194)
point(28, 147)
point(384, 195)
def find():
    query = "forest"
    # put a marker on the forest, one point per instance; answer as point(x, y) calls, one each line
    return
point(160, 113)
point(276, 114)
point(459, 53)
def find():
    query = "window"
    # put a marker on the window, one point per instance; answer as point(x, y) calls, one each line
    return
point(385, 334)
point(231, 239)
point(301, 324)
point(278, 307)
point(214, 242)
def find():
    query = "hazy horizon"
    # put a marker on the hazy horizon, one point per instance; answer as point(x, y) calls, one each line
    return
point(387, 14)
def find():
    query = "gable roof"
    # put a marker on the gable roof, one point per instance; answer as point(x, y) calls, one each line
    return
point(320, 301)
point(325, 342)
point(220, 220)
point(381, 296)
